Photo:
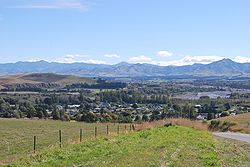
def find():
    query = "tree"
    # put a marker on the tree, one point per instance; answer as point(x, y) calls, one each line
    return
point(225, 113)
point(227, 106)
point(40, 114)
point(89, 117)
point(30, 110)
point(137, 118)
point(55, 114)
point(145, 117)
point(210, 116)
point(81, 98)
point(134, 105)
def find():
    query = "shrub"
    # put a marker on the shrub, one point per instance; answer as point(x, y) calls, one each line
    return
point(214, 125)
point(221, 126)
point(226, 125)
point(225, 113)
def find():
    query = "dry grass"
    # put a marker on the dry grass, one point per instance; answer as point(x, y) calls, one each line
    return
point(243, 122)
point(181, 122)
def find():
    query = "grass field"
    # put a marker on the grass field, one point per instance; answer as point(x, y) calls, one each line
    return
point(16, 135)
point(242, 120)
point(161, 146)
point(157, 147)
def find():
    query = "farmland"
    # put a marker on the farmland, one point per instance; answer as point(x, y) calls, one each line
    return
point(16, 136)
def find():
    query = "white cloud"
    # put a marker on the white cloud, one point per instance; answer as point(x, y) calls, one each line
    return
point(187, 60)
point(141, 59)
point(53, 4)
point(164, 53)
point(91, 61)
point(112, 56)
point(241, 59)
point(70, 58)
point(77, 58)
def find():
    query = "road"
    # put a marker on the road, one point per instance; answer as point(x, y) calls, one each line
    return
point(236, 136)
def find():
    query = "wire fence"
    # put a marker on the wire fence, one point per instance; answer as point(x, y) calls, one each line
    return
point(32, 144)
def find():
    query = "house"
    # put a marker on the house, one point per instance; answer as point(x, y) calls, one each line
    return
point(59, 107)
point(72, 109)
point(104, 105)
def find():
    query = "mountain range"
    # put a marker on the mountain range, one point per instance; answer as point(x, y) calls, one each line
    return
point(225, 67)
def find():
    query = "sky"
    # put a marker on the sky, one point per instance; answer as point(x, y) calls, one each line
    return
point(161, 32)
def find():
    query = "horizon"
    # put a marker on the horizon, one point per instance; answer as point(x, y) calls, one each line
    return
point(37, 61)
point(157, 32)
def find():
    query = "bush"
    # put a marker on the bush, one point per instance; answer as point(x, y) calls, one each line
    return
point(221, 126)
point(226, 125)
point(214, 125)
point(225, 113)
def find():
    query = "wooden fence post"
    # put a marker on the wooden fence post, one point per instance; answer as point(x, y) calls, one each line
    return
point(34, 144)
point(80, 135)
point(95, 132)
point(130, 127)
point(60, 138)
point(107, 130)
point(125, 128)
point(118, 129)
point(133, 127)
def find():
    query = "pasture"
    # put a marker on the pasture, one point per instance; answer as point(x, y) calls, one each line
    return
point(157, 147)
point(16, 135)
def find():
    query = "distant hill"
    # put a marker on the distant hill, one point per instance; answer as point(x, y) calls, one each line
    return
point(38, 80)
point(225, 67)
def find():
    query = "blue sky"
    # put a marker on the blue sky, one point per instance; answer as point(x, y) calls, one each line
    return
point(163, 32)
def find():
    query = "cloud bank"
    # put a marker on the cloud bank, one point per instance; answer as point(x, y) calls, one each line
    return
point(111, 56)
point(77, 58)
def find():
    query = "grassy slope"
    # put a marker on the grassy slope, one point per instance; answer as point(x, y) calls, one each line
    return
point(233, 153)
point(172, 146)
point(243, 121)
point(45, 78)
point(16, 136)
point(55, 78)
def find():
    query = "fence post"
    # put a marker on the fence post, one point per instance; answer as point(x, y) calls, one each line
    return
point(60, 138)
point(125, 128)
point(118, 129)
point(133, 126)
point(107, 130)
point(34, 144)
point(95, 132)
point(130, 127)
point(80, 135)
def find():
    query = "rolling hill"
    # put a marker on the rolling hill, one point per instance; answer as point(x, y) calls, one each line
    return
point(37, 80)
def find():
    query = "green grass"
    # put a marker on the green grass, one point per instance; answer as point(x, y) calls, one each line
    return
point(233, 153)
point(16, 135)
point(172, 146)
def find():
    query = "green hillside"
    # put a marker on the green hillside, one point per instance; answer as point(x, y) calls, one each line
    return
point(166, 146)
point(42, 79)
point(55, 78)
